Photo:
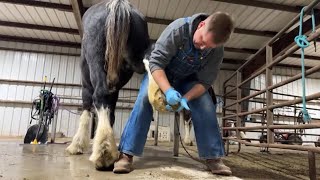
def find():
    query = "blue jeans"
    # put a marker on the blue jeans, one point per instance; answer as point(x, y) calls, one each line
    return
point(208, 137)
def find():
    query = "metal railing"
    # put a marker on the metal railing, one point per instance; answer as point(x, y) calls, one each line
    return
point(269, 104)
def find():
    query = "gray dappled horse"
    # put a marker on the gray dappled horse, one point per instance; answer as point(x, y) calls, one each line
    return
point(113, 46)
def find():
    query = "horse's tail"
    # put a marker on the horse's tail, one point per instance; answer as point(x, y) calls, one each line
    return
point(117, 32)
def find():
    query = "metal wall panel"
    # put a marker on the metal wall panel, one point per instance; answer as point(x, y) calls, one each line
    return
point(33, 67)
point(14, 118)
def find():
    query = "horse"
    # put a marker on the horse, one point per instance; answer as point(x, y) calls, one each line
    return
point(114, 42)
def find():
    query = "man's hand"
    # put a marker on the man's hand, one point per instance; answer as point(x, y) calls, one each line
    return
point(173, 97)
point(183, 105)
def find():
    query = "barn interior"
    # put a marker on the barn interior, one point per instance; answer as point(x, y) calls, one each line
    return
point(268, 102)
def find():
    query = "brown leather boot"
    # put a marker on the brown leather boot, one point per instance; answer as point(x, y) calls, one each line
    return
point(216, 166)
point(123, 164)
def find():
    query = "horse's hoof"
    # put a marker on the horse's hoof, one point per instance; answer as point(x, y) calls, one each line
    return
point(188, 143)
point(74, 149)
point(103, 162)
point(104, 168)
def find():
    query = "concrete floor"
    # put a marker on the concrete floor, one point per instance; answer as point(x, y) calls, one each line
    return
point(42, 162)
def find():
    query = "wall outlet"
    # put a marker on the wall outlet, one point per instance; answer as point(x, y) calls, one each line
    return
point(163, 133)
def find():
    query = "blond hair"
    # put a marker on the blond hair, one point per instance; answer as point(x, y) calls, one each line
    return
point(221, 24)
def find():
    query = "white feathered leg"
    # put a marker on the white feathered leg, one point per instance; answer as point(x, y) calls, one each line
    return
point(81, 140)
point(104, 150)
point(187, 127)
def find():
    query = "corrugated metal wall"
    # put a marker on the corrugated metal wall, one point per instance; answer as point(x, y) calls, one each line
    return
point(25, 66)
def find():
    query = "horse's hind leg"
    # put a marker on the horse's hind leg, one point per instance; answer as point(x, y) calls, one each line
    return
point(104, 150)
point(80, 141)
point(187, 126)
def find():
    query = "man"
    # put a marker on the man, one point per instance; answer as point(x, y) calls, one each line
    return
point(185, 61)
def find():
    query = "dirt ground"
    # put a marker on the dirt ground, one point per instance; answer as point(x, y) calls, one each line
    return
point(51, 162)
point(250, 163)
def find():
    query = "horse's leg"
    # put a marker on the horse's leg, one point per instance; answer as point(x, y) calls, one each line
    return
point(112, 106)
point(104, 149)
point(187, 128)
point(81, 139)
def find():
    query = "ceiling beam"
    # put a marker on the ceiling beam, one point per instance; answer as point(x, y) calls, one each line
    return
point(236, 30)
point(241, 61)
point(233, 61)
point(253, 51)
point(287, 40)
point(40, 41)
point(39, 52)
point(39, 27)
point(62, 7)
point(254, 3)
point(149, 19)
point(75, 31)
point(78, 11)
point(241, 50)
point(255, 32)
point(81, 8)
point(306, 57)
point(263, 4)
point(78, 45)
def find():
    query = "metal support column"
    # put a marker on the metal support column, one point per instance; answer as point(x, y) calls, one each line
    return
point(312, 165)
point(270, 134)
point(156, 127)
point(54, 127)
point(176, 134)
point(238, 107)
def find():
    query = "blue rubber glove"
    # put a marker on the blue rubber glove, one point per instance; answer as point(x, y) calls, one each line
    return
point(173, 97)
point(169, 108)
point(183, 105)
